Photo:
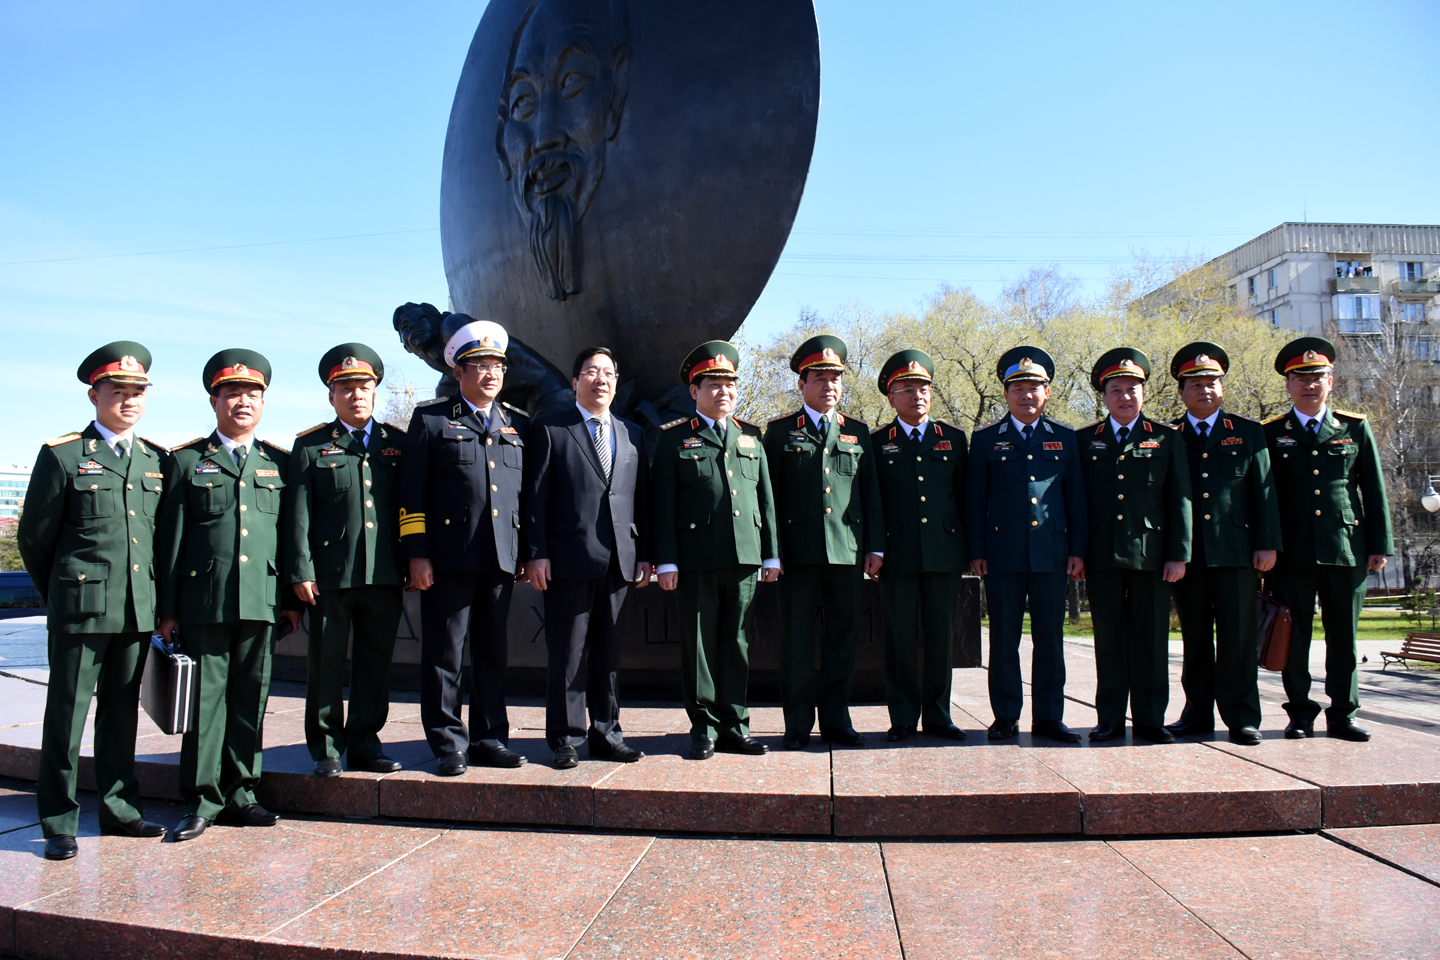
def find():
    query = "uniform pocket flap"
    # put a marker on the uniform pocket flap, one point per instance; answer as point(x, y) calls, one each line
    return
point(79, 572)
point(457, 433)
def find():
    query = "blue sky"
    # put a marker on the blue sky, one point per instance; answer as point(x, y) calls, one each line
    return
point(958, 143)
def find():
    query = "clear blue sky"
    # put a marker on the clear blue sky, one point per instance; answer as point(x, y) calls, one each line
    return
point(958, 143)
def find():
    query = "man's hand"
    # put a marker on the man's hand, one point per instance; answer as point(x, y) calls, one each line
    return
point(873, 563)
point(422, 574)
point(1378, 561)
point(1075, 567)
point(1174, 572)
point(294, 617)
point(1264, 560)
point(769, 574)
point(307, 590)
point(980, 567)
point(167, 628)
point(642, 574)
point(520, 575)
point(670, 580)
point(538, 571)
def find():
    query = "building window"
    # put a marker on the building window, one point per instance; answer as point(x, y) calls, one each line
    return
point(1274, 317)
point(1270, 276)
point(1250, 285)
point(1423, 348)
point(1352, 268)
point(1412, 271)
point(1412, 311)
point(1357, 312)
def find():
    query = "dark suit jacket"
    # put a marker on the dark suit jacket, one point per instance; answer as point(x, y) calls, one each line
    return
point(569, 515)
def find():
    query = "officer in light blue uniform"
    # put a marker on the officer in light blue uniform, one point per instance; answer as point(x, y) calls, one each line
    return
point(1026, 530)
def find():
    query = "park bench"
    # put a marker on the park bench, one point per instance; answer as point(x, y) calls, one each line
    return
point(1416, 646)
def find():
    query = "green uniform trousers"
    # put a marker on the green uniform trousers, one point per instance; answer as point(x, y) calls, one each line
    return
point(1342, 594)
point(220, 756)
point(919, 615)
point(374, 614)
point(1131, 612)
point(1218, 625)
point(809, 592)
point(107, 666)
point(714, 653)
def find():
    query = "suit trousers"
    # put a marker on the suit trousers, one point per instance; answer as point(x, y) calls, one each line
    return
point(107, 666)
point(714, 651)
point(584, 635)
point(460, 605)
point(830, 593)
point(220, 758)
point(1005, 595)
point(919, 616)
point(373, 613)
point(1342, 594)
point(1218, 624)
point(1131, 612)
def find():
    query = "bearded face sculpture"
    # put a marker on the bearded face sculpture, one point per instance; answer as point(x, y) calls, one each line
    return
point(563, 94)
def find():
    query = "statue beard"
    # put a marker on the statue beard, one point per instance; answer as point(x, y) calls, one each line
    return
point(553, 242)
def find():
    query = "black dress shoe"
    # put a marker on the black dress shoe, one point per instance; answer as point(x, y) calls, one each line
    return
point(452, 764)
point(896, 734)
point(329, 767)
point(619, 753)
point(254, 815)
point(702, 749)
point(1107, 731)
point(748, 746)
point(1245, 736)
point(495, 755)
point(1003, 729)
point(796, 741)
point(1054, 730)
point(950, 732)
point(1349, 730)
point(1299, 730)
point(566, 757)
point(1155, 734)
point(843, 738)
point(189, 828)
point(1185, 728)
point(62, 846)
point(139, 827)
point(376, 764)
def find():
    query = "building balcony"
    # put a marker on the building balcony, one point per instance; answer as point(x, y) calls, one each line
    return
point(1357, 326)
point(1356, 284)
point(1414, 288)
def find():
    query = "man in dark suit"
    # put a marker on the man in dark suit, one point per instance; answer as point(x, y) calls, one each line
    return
point(1335, 524)
point(586, 539)
point(1235, 532)
point(920, 466)
point(1027, 526)
point(460, 480)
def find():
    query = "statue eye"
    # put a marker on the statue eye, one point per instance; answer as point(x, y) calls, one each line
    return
point(522, 101)
point(574, 83)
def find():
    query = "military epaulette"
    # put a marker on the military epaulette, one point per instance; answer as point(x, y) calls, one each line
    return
point(1096, 423)
point(515, 410)
point(1278, 416)
point(783, 416)
point(399, 430)
point(880, 429)
point(1349, 413)
point(63, 439)
point(996, 422)
point(1236, 416)
point(674, 423)
point(746, 423)
point(155, 446)
point(1165, 423)
point(844, 420)
point(190, 443)
point(947, 423)
point(309, 430)
point(276, 446)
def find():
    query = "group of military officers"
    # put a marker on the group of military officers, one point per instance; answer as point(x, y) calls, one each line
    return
point(220, 544)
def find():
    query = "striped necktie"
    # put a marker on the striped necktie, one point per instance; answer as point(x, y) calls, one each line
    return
point(602, 445)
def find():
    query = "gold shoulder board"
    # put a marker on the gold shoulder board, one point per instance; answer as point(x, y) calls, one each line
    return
point(57, 441)
point(309, 430)
point(674, 423)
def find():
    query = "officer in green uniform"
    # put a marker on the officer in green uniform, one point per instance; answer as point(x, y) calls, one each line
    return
point(1235, 531)
point(219, 562)
point(1138, 485)
point(1335, 524)
point(343, 558)
point(920, 465)
point(714, 522)
point(832, 532)
point(87, 536)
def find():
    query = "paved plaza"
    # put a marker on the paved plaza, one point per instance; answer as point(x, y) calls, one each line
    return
point(927, 850)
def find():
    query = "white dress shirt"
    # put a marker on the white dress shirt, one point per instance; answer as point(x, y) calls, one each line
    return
point(1208, 421)
point(1117, 426)
point(586, 416)
point(1305, 421)
point(918, 430)
point(110, 437)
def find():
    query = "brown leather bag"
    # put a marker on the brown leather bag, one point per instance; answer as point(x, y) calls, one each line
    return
point(1275, 624)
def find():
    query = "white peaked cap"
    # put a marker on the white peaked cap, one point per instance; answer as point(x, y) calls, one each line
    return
point(476, 339)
